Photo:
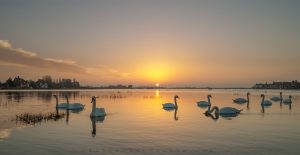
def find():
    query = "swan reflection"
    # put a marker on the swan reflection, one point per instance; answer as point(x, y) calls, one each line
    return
point(67, 118)
point(175, 115)
point(176, 118)
point(94, 120)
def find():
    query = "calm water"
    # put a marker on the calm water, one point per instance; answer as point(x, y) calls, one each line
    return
point(137, 124)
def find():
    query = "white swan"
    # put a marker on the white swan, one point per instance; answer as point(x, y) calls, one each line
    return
point(97, 112)
point(265, 102)
point(225, 111)
point(242, 100)
point(60, 105)
point(171, 105)
point(277, 98)
point(74, 106)
point(288, 100)
point(204, 103)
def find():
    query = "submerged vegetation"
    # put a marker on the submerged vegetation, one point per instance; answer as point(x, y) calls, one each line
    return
point(29, 118)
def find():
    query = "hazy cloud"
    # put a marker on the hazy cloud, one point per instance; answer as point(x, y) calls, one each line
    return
point(107, 71)
point(21, 57)
point(10, 56)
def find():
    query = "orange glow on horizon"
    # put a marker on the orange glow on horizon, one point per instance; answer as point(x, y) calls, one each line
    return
point(155, 73)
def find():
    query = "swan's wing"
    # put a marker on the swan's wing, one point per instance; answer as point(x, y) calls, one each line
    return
point(275, 98)
point(287, 101)
point(168, 106)
point(240, 100)
point(202, 103)
point(100, 110)
point(62, 105)
point(229, 110)
point(75, 106)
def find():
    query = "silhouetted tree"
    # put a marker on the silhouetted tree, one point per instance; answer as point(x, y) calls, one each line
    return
point(10, 82)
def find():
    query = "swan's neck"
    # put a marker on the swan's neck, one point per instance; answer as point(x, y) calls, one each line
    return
point(263, 108)
point(94, 107)
point(215, 108)
point(208, 110)
point(248, 98)
point(208, 99)
point(175, 101)
point(56, 101)
point(67, 101)
point(263, 99)
point(280, 96)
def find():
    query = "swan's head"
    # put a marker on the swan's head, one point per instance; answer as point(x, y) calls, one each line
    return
point(176, 96)
point(290, 97)
point(209, 96)
point(55, 96)
point(248, 93)
point(262, 95)
point(280, 93)
point(93, 99)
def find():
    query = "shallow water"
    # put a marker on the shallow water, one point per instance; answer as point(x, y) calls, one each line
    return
point(137, 124)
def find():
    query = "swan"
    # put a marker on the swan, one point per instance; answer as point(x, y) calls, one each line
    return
point(265, 102)
point(276, 98)
point(204, 103)
point(60, 105)
point(74, 106)
point(288, 100)
point(171, 105)
point(242, 100)
point(97, 112)
point(225, 111)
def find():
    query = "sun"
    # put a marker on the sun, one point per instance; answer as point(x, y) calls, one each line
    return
point(157, 84)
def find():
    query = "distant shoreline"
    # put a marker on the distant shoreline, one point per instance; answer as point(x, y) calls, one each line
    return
point(159, 88)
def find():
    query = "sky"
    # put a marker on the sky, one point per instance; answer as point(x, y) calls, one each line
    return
point(217, 43)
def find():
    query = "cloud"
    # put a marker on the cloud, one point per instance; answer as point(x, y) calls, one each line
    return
point(10, 56)
point(21, 57)
point(107, 71)
point(4, 44)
